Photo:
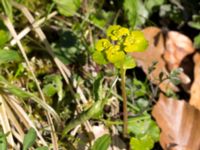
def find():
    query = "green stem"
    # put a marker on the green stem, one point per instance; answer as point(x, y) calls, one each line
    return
point(125, 112)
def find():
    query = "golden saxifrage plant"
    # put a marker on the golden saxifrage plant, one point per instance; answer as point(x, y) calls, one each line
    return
point(114, 49)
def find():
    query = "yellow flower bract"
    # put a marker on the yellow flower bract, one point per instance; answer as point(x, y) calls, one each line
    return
point(102, 44)
point(120, 41)
point(114, 54)
point(135, 42)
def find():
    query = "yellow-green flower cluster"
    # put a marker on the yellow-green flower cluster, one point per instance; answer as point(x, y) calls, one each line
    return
point(120, 41)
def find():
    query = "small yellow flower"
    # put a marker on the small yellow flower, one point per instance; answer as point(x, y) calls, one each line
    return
point(135, 42)
point(102, 44)
point(114, 54)
point(112, 32)
point(115, 32)
point(123, 32)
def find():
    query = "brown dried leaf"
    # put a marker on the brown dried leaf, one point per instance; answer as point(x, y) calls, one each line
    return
point(195, 92)
point(179, 123)
point(154, 53)
point(177, 47)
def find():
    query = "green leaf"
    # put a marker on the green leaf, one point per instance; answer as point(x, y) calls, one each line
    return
point(143, 127)
point(94, 111)
point(29, 139)
point(195, 23)
point(97, 88)
point(67, 7)
point(4, 34)
point(42, 148)
point(9, 56)
point(101, 17)
point(154, 131)
point(53, 85)
point(20, 70)
point(130, 8)
point(139, 88)
point(7, 8)
point(49, 90)
point(139, 127)
point(145, 132)
point(142, 103)
point(144, 143)
point(173, 76)
point(150, 4)
point(136, 12)
point(102, 143)
point(99, 58)
point(197, 41)
point(3, 141)
point(129, 62)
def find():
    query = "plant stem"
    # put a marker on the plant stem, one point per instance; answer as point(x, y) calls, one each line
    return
point(125, 113)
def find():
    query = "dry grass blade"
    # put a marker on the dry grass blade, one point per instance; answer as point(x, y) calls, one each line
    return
point(19, 134)
point(14, 34)
point(23, 117)
point(63, 69)
point(179, 123)
point(36, 24)
point(5, 122)
point(50, 121)
point(11, 89)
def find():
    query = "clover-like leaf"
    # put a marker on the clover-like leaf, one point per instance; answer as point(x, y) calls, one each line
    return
point(99, 58)
point(135, 42)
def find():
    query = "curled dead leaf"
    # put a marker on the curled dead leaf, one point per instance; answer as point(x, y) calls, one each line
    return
point(195, 94)
point(154, 53)
point(177, 47)
point(179, 123)
point(169, 53)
